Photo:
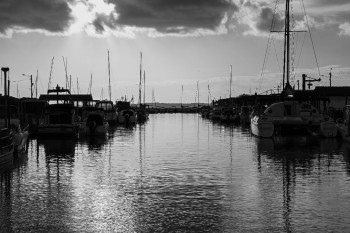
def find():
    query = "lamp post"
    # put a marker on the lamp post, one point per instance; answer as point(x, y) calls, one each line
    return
point(31, 84)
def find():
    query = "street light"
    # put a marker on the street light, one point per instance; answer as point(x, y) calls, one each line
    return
point(31, 84)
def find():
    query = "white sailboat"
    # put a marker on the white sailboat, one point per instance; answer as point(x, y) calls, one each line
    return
point(290, 115)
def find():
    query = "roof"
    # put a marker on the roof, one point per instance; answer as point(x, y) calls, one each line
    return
point(75, 97)
point(332, 91)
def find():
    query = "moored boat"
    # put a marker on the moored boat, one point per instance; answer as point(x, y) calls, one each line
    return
point(59, 114)
point(261, 126)
point(299, 117)
point(244, 115)
point(126, 114)
point(215, 113)
point(229, 115)
point(109, 110)
point(94, 122)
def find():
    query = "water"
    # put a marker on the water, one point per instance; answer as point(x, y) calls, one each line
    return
point(178, 173)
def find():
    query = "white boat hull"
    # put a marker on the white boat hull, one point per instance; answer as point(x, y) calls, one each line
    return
point(261, 127)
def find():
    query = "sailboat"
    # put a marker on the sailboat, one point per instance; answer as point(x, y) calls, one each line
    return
point(290, 115)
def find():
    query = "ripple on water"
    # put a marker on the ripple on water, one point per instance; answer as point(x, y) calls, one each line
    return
point(178, 173)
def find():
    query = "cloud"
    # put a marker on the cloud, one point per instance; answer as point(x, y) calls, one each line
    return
point(51, 16)
point(258, 17)
point(159, 18)
point(168, 16)
point(344, 29)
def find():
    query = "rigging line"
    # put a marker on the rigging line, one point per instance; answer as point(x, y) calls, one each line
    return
point(278, 60)
point(268, 44)
point(302, 45)
point(312, 41)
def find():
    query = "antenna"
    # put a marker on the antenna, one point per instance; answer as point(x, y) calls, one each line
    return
point(36, 83)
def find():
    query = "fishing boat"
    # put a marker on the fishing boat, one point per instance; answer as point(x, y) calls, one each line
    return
point(59, 114)
point(126, 114)
point(93, 122)
point(290, 115)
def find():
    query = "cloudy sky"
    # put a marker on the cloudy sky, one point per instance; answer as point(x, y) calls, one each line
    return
point(182, 41)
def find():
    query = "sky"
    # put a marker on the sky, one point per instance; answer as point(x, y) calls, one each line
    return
point(183, 43)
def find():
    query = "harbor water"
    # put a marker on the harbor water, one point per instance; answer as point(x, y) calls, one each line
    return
point(178, 173)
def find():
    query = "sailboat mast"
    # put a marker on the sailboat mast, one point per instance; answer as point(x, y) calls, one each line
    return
point(36, 83)
point(286, 65)
point(109, 79)
point(144, 88)
point(140, 85)
point(198, 95)
point(208, 94)
point(182, 93)
point(230, 81)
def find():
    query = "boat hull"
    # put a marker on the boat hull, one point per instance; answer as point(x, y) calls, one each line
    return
point(125, 120)
point(343, 131)
point(328, 129)
point(99, 130)
point(261, 127)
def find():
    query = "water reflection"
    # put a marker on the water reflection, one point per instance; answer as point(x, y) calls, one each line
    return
point(304, 163)
point(178, 173)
